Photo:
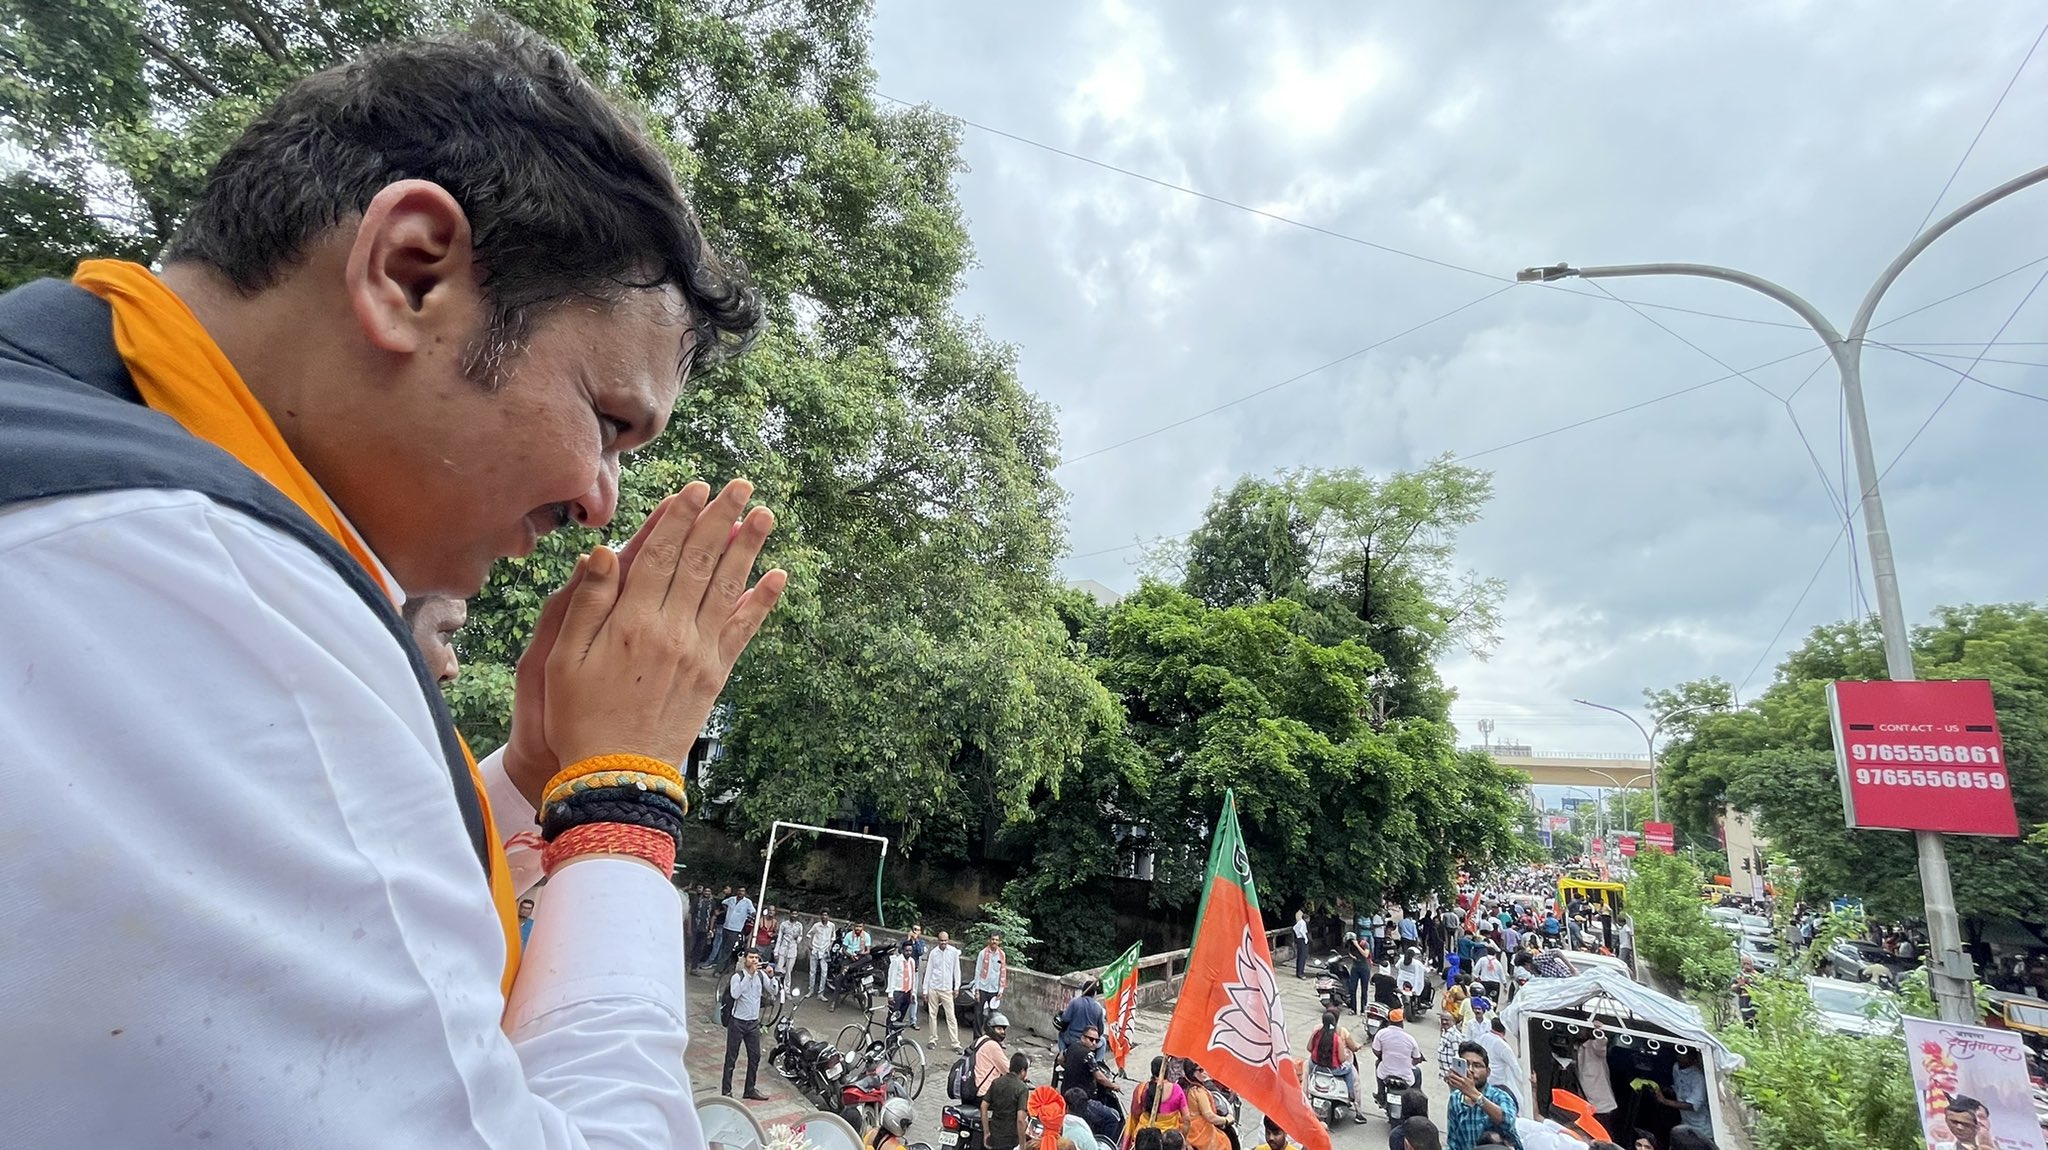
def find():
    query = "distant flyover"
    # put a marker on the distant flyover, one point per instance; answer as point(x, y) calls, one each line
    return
point(1595, 771)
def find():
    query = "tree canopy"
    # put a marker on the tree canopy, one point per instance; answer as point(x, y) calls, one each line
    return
point(1776, 756)
point(925, 671)
point(1370, 557)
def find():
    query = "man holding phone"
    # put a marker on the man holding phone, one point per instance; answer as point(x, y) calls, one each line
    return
point(1480, 1113)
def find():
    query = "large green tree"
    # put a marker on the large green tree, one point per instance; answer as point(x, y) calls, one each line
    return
point(1336, 803)
point(917, 671)
point(1776, 756)
point(1373, 558)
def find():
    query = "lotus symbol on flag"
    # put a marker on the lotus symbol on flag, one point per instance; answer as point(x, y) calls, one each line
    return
point(1251, 1027)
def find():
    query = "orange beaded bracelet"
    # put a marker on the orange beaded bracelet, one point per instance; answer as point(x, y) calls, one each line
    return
point(656, 848)
point(639, 764)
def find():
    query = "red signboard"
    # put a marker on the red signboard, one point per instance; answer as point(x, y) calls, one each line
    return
point(1660, 836)
point(1560, 822)
point(1628, 846)
point(1597, 847)
point(1922, 756)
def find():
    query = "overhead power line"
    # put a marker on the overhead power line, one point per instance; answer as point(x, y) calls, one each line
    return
point(1827, 486)
point(1296, 378)
point(1852, 510)
point(1292, 222)
point(1899, 348)
point(1988, 117)
point(1964, 376)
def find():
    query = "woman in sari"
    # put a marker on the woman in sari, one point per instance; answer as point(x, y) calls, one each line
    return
point(1159, 1104)
point(1210, 1121)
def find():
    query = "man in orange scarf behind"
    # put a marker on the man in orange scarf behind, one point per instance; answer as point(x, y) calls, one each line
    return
point(256, 889)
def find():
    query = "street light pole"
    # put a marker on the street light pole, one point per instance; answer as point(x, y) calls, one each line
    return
point(1950, 971)
point(1599, 813)
point(1650, 743)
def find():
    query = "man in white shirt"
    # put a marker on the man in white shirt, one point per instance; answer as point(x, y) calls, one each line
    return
point(1490, 970)
point(941, 984)
point(1412, 976)
point(822, 935)
point(788, 937)
point(902, 988)
point(1400, 1056)
point(1492, 1034)
point(738, 914)
point(744, 992)
point(254, 837)
point(991, 977)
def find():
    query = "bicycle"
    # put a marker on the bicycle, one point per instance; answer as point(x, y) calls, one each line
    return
point(902, 1051)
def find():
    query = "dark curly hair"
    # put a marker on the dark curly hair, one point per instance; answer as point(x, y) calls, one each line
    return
point(567, 197)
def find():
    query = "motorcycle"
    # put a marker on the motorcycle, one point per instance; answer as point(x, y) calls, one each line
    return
point(860, 1101)
point(1388, 1095)
point(850, 974)
point(1333, 986)
point(814, 1066)
point(960, 1128)
point(1375, 1020)
point(1328, 1096)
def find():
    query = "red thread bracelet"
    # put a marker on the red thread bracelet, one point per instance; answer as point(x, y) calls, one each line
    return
point(611, 838)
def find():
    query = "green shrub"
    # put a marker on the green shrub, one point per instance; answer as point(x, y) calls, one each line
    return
point(1672, 931)
point(1808, 1089)
point(1013, 924)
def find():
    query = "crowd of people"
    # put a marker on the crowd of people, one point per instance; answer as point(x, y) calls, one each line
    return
point(1460, 958)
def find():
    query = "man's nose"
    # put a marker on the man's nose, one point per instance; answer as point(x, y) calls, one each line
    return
point(595, 507)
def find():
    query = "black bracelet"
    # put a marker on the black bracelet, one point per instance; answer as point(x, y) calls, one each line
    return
point(613, 805)
point(578, 801)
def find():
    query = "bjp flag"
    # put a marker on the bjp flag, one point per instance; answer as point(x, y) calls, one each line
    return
point(1121, 980)
point(1229, 1018)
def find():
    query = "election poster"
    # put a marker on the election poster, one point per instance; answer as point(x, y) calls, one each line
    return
point(1972, 1086)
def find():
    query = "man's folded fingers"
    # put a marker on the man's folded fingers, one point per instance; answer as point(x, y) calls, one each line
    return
point(658, 549)
point(729, 580)
point(749, 613)
point(705, 545)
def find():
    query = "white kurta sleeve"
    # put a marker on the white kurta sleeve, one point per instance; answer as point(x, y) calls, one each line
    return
point(240, 905)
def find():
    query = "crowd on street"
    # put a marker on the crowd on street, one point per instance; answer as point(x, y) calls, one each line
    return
point(1411, 1027)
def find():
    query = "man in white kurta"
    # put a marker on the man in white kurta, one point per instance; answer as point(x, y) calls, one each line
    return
point(243, 904)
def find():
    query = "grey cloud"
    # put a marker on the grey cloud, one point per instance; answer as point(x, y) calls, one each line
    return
point(1803, 142)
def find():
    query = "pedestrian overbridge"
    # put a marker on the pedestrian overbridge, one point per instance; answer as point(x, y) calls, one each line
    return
point(1618, 771)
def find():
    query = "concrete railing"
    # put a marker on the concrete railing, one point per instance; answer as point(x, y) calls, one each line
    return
point(1159, 981)
point(1035, 996)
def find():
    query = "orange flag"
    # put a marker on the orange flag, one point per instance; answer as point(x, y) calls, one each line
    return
point(1229, 1018)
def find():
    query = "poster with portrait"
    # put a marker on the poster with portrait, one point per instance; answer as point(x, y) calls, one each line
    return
point(1973, 1087)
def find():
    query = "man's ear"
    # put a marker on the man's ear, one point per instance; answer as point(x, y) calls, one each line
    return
point(412, 277)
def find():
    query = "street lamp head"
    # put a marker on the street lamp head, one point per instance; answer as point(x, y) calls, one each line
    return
point(1545, 274)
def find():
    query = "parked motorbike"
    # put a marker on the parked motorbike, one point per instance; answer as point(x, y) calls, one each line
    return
point(860, 1100)
point(813, 1065)
point(1333, 986)
point(851, 975)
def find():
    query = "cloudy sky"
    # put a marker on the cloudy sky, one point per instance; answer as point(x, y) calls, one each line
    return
point(1801, 141)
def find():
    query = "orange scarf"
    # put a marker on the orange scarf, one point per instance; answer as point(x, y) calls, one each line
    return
point(181, 372)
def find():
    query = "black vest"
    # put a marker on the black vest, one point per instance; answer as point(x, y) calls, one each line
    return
point(72, 423)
